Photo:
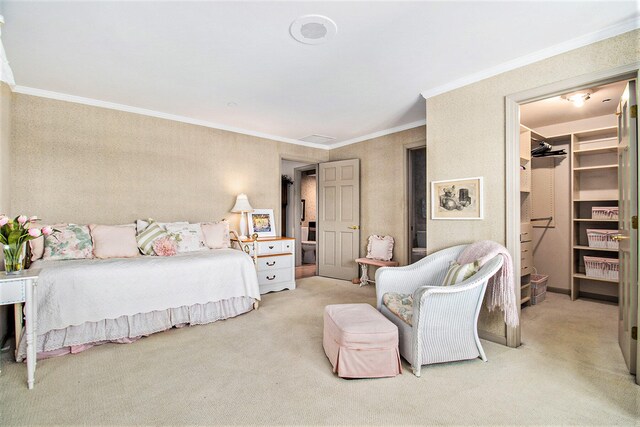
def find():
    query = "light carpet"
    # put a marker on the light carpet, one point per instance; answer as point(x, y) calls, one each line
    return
point(268, 367)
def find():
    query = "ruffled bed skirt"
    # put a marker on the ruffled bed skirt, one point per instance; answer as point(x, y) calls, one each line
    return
point(127, 329)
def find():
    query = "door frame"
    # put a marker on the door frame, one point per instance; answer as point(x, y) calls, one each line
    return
point(408, 193)
point(512, 153)
point(297, 197)
point(311, 164)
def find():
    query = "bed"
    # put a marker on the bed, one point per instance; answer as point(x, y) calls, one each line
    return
point(90, 301)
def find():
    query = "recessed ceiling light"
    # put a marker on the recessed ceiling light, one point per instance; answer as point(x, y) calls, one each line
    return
point(313, 29)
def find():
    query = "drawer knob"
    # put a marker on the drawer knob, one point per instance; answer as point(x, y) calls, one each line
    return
point(271, 278)
point(271, 247)
point(271, 264)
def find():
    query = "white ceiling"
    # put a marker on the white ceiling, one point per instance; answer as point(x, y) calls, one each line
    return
point(190, 60)
point(557, 110)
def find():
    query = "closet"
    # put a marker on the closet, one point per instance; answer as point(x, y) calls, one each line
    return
point(569, 197)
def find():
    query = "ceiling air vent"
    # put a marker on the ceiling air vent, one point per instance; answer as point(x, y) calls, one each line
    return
point(313, 29)
point(317, 139)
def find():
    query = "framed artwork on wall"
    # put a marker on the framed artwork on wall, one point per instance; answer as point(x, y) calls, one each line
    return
point(262, 222)
point(457, 199)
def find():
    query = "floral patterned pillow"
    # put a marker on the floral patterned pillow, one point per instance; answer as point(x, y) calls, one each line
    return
point(72, 242)
point(188, 236)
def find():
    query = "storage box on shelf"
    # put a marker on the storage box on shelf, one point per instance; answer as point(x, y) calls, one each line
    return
point(602, 239)
point(604, 212)
point(601, 267)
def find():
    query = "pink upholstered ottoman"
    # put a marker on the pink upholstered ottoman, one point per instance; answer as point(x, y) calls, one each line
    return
point(360, 342)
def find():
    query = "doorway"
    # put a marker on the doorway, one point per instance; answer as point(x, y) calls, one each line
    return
point(563, 192)
point(417, 203)
point(299, 212)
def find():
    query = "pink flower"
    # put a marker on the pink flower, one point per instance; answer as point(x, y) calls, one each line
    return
point(3, 220)
point(34, 232)
point(22, 219)
point(47, 230)
point(165, 246)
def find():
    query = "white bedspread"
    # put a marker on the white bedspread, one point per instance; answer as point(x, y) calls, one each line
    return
point(77, 291)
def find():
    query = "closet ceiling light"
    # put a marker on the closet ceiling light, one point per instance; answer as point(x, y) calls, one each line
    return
point(578, 99)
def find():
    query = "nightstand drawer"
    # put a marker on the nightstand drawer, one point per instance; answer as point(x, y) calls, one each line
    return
point(275, 276)
point(12, 292)
point(269, 247)
point(275, 262)
point(288, 246)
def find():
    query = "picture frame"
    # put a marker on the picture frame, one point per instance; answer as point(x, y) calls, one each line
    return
point(457, 199)
point(262, 222)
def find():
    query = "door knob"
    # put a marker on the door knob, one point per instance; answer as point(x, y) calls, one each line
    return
point(618, 237)
point(354, 227)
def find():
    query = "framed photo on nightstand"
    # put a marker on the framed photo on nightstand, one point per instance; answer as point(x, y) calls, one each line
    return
point(262, 222)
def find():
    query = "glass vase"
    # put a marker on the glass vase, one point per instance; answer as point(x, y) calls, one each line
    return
point(14, 258)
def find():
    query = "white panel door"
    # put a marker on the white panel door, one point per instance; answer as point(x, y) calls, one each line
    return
point(338, 225)
point(628, 236)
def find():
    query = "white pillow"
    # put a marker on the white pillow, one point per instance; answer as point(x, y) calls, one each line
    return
point(142, 224)
point(189, 237)
point(216, 234)
point(380, 247)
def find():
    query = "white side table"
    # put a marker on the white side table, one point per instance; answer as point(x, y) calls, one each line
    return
point(17, 289)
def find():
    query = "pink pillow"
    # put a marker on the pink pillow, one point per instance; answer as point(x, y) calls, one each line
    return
point(37, 248)
point(380, 247)
point(216, 234)
point(114, 241)
point(37, 245)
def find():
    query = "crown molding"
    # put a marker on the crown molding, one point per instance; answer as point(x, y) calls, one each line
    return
point(378, 134)
point(136, 110)
point(143, 111)
point(621, 27)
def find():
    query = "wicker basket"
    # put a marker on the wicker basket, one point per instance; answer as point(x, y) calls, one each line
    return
point(604, 212)
point(602, 238)
point(602, 268)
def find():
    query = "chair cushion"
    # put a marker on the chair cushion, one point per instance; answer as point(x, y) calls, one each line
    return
point(458, 273)
point(400, 304)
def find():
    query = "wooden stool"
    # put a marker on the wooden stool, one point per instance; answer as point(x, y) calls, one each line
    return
point(364, 267)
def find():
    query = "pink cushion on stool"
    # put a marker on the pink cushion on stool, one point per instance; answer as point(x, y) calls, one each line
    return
point(360, 342)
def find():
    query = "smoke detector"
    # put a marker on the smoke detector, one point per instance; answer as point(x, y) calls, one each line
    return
point(313, 29)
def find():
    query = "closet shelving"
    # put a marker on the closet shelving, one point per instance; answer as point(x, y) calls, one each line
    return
point(594, 182)
point(526, 231)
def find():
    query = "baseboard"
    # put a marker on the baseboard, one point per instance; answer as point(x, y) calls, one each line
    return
point(559, 290)
point(598, 297)
point(490, 336)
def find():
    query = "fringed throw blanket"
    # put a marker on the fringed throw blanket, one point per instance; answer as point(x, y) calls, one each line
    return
point(500, 292)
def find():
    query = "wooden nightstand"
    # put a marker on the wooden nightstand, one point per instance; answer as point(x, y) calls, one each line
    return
point(274, 258)
point(17, 289)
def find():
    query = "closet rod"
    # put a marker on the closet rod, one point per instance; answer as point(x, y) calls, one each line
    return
point(546, 218)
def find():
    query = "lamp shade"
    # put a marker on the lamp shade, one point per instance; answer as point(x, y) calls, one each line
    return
point(242, 204)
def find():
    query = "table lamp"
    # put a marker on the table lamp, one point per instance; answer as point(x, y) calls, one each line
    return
point(242, 206)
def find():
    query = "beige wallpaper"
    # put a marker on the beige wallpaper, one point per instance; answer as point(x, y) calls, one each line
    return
point(5, 179)
point(87, 164)
point(466, 136)
point(5, 150)
point(383, 198)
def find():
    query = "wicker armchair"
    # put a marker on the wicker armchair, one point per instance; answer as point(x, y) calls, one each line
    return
point(445, 318)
